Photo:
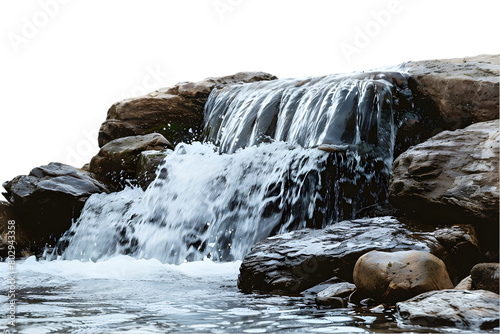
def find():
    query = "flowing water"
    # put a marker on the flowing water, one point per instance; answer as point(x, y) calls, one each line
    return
point(278, 156)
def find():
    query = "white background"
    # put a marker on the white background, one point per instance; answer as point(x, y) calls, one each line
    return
point(59, 79)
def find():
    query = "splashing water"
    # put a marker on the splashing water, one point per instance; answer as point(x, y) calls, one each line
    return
point(216, 200)
point(202, 204)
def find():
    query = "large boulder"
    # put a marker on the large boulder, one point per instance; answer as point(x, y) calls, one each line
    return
point(292, 262)
point(485, 276)
point(450, 94)
point(176, 113)
point(478, 309)
point(452, 178)
point(392, 277)
point(48, 199)
point(117, 161)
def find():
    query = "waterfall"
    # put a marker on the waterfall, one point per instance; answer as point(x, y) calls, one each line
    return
point(278, 155)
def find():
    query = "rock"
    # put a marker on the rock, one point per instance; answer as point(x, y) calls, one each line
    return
point(454, 176)
point(334, 294)
point(17, 237)
point(477, 309)
point(117, 161)
point(49, 198)
point(465, 284)
point(485, 276)
point(147, 165)
point(393, 277)
point(450, 94)
point(292, 262)
point(176, 113)
point(462, 249)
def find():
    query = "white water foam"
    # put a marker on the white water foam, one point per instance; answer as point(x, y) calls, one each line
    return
point(202, 204)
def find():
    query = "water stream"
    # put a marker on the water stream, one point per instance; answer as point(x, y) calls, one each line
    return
point(278, 156)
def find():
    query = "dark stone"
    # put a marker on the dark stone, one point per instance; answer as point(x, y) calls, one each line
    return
point(485, 276)
point(292, 262)
point(462, 249)
point(49, 199)
point(147, 166)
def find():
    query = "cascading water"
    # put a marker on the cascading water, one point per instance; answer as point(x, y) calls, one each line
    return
point(259, 173)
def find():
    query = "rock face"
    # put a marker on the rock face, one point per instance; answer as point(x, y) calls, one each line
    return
point(392, 277)
point(454, 176)
point(292, 262)
point(176, 113)
point(147, 166)
point(485, 276)
point(49, 198)
point(450, 94)
point(477, 309)
point(117, 161)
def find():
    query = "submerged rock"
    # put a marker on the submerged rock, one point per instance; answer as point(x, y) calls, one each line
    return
point(292, 262)
point(117, 161)
point(477, 309)
point(452, 178)
point(176, 113)
point(333, 295)
point(392, 277)
point(485, 276)
point(48, 199)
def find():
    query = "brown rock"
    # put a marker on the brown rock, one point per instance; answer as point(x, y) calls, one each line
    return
point(485, 276)
point(465, 284)
point(456, 92)
point(392, 277)
point(117, 161)
point(461, 248)
point(176, 113)
point(452, 178)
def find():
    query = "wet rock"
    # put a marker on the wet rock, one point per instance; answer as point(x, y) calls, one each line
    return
point(485, 276)
point(449, 94)
point(17, 238)
point(477, 309)
point(452, 178)
point(333, 295)
point(176, 113)
point(465, 284)
point(117, 161)
point(49, 198)
point(462, 249)
point(148, 164)
point(392, 277)
point(292, 262)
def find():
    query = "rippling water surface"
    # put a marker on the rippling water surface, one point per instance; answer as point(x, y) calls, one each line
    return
point(123, 295)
